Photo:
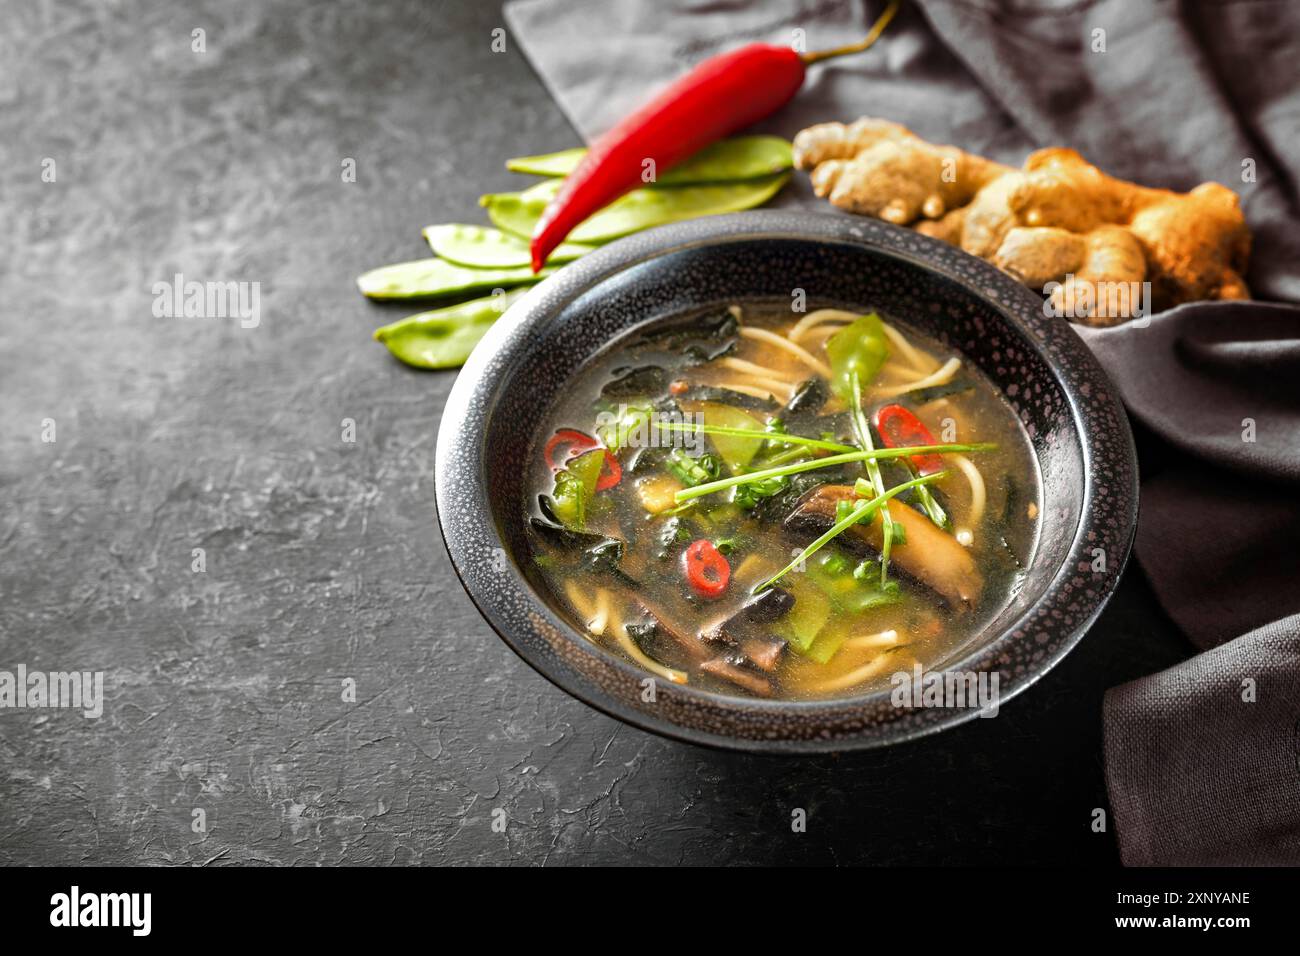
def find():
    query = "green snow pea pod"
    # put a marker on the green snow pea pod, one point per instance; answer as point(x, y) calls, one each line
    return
point(436, 278)
point(444, 338)
point(640, 209)
point(859, 349)
point(548, 164)
point(481, 247)
point(741, 157)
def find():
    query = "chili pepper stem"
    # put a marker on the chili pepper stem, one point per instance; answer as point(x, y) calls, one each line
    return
point(865, 43)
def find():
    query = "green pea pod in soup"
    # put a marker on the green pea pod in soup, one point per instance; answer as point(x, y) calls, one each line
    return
point(861, 349)
point(575, 486)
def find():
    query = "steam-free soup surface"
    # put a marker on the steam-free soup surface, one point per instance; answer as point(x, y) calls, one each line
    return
point(684, 500)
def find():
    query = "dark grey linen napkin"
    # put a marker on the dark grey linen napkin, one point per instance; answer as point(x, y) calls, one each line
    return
point(1202, 760)
point(1219, 535)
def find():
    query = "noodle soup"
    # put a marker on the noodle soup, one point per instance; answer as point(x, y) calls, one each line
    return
point(778, 506)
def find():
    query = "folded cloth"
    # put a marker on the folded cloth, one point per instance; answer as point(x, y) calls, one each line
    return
point(1220, 383)
point(1166, 95)
point(1203, 759)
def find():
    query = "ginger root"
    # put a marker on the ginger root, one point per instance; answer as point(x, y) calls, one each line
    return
point(1059, 224)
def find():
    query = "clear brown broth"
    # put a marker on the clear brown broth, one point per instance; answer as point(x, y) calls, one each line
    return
point(927, 629)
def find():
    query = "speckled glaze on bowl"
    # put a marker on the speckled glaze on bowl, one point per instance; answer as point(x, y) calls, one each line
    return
point(1078, 431)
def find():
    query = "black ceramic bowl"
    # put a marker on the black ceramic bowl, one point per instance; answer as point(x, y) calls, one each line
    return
point(496, 408)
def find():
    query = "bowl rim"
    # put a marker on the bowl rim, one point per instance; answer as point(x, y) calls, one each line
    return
point(469, 407)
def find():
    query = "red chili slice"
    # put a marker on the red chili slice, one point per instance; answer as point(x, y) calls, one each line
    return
point(899, 428)
point(706, 569)
point(575, 443)
point(611, 474)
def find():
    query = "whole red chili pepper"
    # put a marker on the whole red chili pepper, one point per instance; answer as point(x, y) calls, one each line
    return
point(722, 95)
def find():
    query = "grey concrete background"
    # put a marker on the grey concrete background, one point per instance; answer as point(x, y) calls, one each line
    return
point(324, 561)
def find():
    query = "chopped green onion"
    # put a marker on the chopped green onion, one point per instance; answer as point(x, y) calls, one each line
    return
point(866, 567)
point(933, 508)
point(690, 470)
point(836, 564)
point(747, 497)
point(726, 546)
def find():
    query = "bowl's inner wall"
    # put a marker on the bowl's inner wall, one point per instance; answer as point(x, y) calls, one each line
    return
point(770, 270)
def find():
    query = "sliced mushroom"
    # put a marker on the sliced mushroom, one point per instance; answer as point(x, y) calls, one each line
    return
point(764, 652)
point(930, 555)
point(769, 605)
point(734, 673)
point(694, 648)
point(719, 633)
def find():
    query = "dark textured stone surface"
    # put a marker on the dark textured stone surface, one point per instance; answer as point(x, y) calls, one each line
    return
point(323, 558)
